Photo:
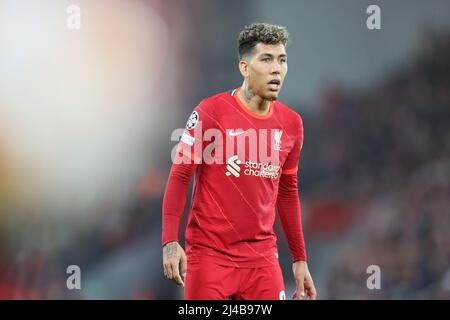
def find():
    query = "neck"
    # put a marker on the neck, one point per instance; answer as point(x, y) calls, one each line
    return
point(252, 101)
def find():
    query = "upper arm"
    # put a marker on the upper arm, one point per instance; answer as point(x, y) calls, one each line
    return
point(191, 144)
point(291, 164)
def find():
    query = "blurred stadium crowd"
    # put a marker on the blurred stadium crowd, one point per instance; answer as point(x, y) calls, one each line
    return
point(388, 150)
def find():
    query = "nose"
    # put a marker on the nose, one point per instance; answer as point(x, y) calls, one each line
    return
point(275, 68)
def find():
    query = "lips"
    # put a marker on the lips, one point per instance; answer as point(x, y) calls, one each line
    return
point(274, 81)
point(274, 84)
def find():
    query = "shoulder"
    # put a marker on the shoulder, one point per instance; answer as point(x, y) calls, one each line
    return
point(209, 109)
point(289, 115)
point(214, 105)
point(216, 99)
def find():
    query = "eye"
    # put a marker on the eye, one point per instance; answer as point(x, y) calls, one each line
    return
point(283, 60)
point(265, 59)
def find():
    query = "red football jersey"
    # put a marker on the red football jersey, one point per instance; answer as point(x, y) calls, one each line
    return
point(240, 156)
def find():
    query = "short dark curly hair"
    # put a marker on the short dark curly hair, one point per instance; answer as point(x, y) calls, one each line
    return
point(261, 33)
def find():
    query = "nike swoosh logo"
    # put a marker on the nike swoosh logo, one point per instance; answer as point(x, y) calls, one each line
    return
point(232, 133)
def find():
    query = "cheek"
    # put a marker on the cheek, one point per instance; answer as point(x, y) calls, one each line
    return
point(258, 70)
point(284, 72)
point(256, 77)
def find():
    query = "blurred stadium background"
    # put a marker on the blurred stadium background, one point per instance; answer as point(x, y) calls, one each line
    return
point(86, 118)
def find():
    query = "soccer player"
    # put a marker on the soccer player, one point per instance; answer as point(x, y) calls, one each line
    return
point(231, 249)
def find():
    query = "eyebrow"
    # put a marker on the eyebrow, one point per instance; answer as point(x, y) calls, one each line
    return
point(283, 55)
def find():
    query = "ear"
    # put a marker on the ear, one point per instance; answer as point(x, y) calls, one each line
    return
point(243, 68)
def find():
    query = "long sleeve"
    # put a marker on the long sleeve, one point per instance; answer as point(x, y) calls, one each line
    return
point(188, 156)
point(289, 210)
point(175, 200)
point(288, 202)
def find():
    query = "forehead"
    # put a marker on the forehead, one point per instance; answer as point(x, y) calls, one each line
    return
point(273, 49)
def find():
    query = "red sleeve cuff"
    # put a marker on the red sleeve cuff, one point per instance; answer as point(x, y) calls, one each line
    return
point(170, 229)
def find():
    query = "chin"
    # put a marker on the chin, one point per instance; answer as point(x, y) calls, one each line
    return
point(272, 96)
